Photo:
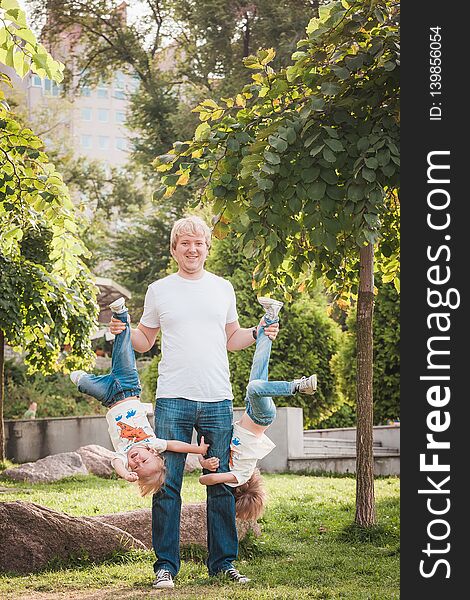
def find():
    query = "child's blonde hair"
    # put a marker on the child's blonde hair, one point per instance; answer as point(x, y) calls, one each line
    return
point(154, 482)
point(250, 498)
point(191, 225)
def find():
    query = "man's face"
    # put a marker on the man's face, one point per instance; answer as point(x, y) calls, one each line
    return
point(143, 461)
point(190, 253)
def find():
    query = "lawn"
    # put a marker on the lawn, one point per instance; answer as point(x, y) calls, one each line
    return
point(308, 549)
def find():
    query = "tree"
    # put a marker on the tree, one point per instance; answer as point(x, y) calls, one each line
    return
point(303, 166)
point(176, 49)
point(48, 307)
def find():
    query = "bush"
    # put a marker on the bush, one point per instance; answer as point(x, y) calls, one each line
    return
point(56, 395)
point(386, 329)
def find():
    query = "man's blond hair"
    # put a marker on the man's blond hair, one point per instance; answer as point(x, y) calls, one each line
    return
point(191, 225)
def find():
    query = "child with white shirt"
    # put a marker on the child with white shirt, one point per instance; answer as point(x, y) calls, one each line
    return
point(249, 442)
point(137, 448)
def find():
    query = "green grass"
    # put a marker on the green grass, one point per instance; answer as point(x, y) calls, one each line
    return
point(309, 547)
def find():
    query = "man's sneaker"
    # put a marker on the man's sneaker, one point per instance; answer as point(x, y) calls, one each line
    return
point(234, 575)
point(75, 376)
point(118, 306)
point(306, 385)
point(271, 307)
point(164, 579)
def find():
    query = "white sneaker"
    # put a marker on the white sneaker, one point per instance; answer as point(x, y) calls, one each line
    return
point(164, 579)
point(76, 375)
point(236, 576)
point(271, 307)
point(306, 385)
point(118, 306)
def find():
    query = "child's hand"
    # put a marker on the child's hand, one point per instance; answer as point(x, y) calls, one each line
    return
point(203, 446)
point(211, 464)
point(131, 476)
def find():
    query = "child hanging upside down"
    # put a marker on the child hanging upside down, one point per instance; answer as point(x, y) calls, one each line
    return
point(249, 442)
point(137, 448)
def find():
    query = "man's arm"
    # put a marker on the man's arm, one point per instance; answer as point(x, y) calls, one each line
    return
point(142, 338)
point(239, 337)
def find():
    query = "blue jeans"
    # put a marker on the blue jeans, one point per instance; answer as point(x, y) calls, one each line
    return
point(174, 420)
point(259, 404)
point(123, 380)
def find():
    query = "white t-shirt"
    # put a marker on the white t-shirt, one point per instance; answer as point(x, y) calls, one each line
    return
point(246, 449)
point(128, 426)
point(192, 315)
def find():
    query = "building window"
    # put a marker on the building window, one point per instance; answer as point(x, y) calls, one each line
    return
point(121, 143)
point(103, 115)
point(119, 86)
point(85, 91)
point(102, 91)
point(103, 142)
point(86, 114)
point(36, 81)
point(51, 88)
point(120, 116)
point(85, 141)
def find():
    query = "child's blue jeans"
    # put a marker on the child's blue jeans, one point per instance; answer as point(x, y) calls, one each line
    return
point(123, 380)
point(259, 404)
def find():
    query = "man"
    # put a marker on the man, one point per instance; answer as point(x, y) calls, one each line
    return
point(196, 313)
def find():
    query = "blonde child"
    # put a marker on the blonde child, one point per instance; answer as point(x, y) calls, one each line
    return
point(249, 442)
point(138, 450)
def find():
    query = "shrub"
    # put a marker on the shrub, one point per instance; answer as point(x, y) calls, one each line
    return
point(386, 329)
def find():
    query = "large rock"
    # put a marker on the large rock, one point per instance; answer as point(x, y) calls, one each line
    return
point(32, 535)
point(50, 468)
point(97, 459)
point(193, 529)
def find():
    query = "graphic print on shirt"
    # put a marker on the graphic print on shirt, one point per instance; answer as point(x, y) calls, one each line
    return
point(134, 434)
point(235, 442)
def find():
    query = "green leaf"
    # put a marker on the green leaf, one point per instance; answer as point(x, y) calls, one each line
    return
point(329, 88)
point(311, 174)
point(329, 175)
point(316, 149)
point(316, 190)
point(27, 35)
point(340, 72)
point(372, 162)
point(278, 143)
point(368, 174)
point(363, 144)
point(202, 132)
point(328, 155)
point(356, 192)
point(335, 145)
point(258, 200)
point(272, 158)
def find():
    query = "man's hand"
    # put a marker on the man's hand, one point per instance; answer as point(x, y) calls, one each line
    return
point(270, 331)
point(131, 476)
point(211, 464)
point(116, 326)
point(203, 446)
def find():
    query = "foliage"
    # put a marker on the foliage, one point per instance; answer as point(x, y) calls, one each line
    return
point(386, 360)
point(302, 512)
point(176, 50)
point(48, 298)
point(55, 394)
point(303, 163)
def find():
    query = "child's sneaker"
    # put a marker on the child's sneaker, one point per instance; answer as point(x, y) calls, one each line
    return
point(306, 385)
point(118, 306)
point(76, 375)
point(271, 307)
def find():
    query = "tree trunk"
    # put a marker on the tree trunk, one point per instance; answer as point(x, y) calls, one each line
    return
point(2, 391)
point(365, 501)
